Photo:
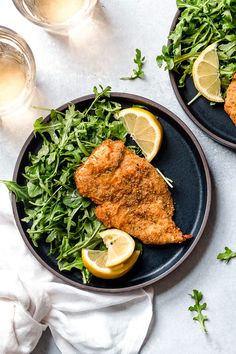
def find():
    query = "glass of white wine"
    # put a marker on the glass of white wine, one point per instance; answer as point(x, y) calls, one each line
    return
point(17, 71)
point(58, 16)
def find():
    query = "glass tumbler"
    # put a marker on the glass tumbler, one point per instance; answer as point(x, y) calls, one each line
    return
point(58, 16)
point(17, 71)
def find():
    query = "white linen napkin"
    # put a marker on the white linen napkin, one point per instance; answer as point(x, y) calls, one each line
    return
point(31, 298)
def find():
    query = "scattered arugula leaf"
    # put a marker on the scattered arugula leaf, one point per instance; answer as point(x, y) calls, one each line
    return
point(140, 106)
point(166, 179)
point(21, 192)
point(200, 24)
point(197, 297)
point(138, 246)
point(137, 73)
point(86, 276)
point(227, 255)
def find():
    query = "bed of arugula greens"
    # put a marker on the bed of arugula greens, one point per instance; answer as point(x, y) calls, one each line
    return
point(200, 24)
point(55, 211)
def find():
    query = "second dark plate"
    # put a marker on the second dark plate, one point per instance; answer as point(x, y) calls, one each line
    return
point(211, 119)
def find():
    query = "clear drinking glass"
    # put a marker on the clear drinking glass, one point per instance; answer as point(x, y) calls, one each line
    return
point(58, 16)
point(17, 71)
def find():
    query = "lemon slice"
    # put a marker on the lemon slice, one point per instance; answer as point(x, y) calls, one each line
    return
point(206, 75)
point(144, 128)
point(95, 262)
point(120, 246)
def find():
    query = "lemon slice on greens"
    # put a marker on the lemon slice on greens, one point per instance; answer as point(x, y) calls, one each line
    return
point(95, 262)
point(206, 75)
point(120, 246)
point(144, 128)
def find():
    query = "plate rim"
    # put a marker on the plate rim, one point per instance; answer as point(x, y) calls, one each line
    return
point(202, 157)
point(174, 85)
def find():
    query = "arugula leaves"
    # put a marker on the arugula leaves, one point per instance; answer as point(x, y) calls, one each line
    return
point(21, 192)
point(200, 24)
point(227, 255)
point(55, 212)
point(137, 73)
point(198, 308)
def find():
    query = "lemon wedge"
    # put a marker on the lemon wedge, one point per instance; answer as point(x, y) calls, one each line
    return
point(206, 75)
point(120, 246)
point(144, 128)
point(95, 262)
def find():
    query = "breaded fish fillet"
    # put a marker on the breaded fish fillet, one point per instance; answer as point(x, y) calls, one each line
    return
point(131, 195)
point(230, 101)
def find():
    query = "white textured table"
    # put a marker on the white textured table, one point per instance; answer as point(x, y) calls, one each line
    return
point(101, 54)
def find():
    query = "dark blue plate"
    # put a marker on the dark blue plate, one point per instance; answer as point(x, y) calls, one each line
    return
point(213, 120)
point(181, 159)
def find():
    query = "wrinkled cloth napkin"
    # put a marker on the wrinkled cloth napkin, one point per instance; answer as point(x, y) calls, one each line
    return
point(32, 299)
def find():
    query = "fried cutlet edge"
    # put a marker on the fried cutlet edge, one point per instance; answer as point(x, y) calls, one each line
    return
point(230, 100)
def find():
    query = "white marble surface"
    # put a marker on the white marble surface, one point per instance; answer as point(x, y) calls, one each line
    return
point(102, 53)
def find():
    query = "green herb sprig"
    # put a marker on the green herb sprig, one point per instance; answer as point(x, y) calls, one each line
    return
point(137, 73)
point(198, 308)
point(55, 213)
point(200, 24)
point(227, 255)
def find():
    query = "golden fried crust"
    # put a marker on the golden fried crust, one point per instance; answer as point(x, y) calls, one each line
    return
point(148, 222)
point(230, 101)
point(131, 195)
point(96, 178)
